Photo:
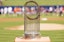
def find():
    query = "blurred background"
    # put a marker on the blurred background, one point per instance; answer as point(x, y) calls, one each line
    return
point(12, 16)
point(56, 7)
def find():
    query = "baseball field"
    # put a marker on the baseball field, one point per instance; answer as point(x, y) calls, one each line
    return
point(53, 25)
point(9, 28)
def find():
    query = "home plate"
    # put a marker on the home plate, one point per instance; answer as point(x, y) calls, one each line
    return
point(42, 39)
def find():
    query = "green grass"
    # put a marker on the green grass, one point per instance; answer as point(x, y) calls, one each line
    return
point(55, 36)
point(40, 2)
point(52, 17)
point(9, 35)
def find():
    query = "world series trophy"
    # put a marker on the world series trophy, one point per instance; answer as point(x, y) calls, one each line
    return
point(31, 20)
point(31, 24)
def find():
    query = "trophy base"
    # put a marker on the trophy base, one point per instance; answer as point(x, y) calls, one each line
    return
point(42, 39)
point(31, 36)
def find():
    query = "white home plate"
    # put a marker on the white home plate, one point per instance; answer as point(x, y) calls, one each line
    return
point(42, 39)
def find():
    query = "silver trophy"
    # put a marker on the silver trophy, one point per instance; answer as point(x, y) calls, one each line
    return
point(31, 20)
point(32, 24)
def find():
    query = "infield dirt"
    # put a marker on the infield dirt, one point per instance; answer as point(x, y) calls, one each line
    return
point(44, 26)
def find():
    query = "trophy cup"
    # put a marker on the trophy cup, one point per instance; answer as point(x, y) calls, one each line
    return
point(32, 24)
point(31, 20)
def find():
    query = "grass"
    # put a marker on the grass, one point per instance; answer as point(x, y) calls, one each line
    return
point(53, 19)
point(40, 2)
point(9, 35)
point(55, 36)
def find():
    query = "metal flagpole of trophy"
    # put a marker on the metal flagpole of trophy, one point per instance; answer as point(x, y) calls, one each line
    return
point(31, 20)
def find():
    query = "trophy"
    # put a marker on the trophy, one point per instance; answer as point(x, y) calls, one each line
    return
point(31, 20)
point(32, 24)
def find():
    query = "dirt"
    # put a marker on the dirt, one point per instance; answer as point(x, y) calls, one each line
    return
point(52, 19)
point(20, 19)
point(45, 26)
point(10, 19)
point(55, 19)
